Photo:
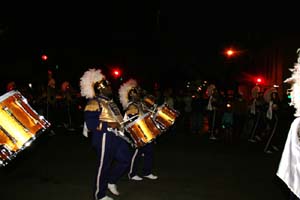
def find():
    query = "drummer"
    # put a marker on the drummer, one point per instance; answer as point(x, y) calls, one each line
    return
point(102, 116)
point(130, 95)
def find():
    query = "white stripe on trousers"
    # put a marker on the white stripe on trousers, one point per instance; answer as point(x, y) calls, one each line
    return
point(132, 162)
point(101, 163)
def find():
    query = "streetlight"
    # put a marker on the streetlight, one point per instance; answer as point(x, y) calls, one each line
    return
point(230, 52)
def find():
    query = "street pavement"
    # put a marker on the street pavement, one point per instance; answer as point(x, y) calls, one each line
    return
point(189, 166)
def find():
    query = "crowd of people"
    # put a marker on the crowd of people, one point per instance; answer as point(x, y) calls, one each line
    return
point(105, 116)
point(224, 114)
point(229, 114)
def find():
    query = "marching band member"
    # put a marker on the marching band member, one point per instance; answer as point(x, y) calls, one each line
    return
point(212, 108)
point(289, 168)
point(51, 108)
point(66, 105)
point(131, 100)
point(272, 98)
point(101, 116)
point(256, 114)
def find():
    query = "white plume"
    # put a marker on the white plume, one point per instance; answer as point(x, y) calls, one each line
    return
point(294, 80)
point(123, 91)
point(88, 80)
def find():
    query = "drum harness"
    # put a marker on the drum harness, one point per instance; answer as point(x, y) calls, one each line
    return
point(118, 132)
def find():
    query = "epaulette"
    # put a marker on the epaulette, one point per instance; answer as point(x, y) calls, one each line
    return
point(92, 105)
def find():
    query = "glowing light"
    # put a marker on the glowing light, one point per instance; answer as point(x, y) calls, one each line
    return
point(116, 72)
point(259, 80)
point(229, 52)
point(44, 57)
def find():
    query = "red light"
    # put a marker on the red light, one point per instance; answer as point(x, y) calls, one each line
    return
point(259, 80)
point(44, 57)
point(116, 73)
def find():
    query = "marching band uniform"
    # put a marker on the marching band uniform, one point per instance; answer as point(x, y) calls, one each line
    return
point(130, 98)
point(101, 116)
point(272, 98)
point(289, 168)
point(213, 110)
point(257, 111)
point(51, 108)
point(66, 105)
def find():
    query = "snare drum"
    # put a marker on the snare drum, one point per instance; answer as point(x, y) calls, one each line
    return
point(143, 130)
point(165, 116)
point(149, 101)
point(20, 124)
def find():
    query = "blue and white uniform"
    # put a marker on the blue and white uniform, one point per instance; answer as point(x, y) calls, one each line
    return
point(98, 112)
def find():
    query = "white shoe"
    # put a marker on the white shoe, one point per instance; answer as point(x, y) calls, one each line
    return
point(113, 189)
point(151, 176)
point(136, 178)
point(258, 138)
point(275, 148)
point(212, 137)
point(268, 152)
point(71, 129)
point(251, 140)
point(106, 198)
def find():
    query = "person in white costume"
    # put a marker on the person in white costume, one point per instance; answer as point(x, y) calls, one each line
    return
point(289, 166)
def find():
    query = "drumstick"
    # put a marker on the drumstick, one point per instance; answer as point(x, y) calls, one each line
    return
point(128, 120)
point(153, 110)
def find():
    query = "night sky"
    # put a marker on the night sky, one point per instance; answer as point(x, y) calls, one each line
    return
point(163, 42)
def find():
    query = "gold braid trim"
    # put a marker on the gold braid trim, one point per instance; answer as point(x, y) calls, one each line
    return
point(93, 105)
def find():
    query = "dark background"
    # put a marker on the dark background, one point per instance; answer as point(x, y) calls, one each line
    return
point(156, 41)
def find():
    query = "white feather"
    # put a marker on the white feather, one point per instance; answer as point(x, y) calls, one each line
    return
point(295, 86)
point(88, 80)
point(123, 91)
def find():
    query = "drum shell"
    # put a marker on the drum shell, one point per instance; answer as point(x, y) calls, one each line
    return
point(165, 116)
point(143, 130)
point(20, 124)
point(149, 101)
